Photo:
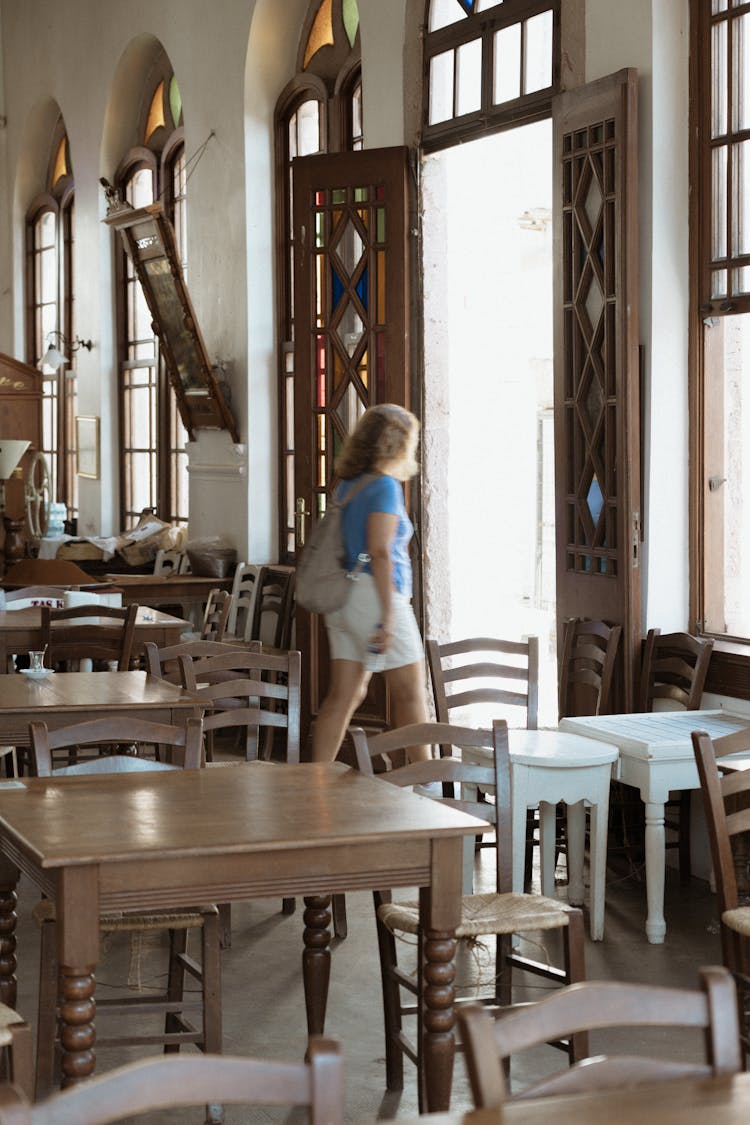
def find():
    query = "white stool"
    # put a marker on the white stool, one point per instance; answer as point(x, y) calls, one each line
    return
point(547, 767)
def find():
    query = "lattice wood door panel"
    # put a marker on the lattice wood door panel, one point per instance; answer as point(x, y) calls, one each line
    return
point(597, 416)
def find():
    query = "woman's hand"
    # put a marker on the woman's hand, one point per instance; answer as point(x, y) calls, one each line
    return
point(380, 638)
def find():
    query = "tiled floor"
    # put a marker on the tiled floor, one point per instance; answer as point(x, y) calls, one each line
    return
point(264, 1007)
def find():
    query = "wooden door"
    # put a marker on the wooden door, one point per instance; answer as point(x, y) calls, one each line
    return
point(597, 416)
point(352, 349)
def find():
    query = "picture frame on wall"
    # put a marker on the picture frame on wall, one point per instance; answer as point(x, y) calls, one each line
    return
point(87, 446)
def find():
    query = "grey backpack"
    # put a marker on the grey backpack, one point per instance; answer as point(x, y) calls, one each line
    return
point(323, 583)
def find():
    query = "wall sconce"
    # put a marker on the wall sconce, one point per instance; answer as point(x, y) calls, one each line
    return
point(53, 357)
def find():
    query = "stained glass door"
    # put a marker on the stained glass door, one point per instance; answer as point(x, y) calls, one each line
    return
point(597, 417)
point(351, 346)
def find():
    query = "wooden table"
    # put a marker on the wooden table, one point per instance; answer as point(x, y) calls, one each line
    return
point(190, 591)
point(74, 697)
point(20, 631)
point(254, 830)
point(656, 757)
point(718, 1101)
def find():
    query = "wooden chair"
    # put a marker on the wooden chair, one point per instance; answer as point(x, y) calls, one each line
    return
point(216, 615)
point(674, 670)
point(247, 577)
point(161, 1084)
point(100, 633)
point(726, 801)
point(489, 1044)
point(164, 662)
point(498, 915)
point(181, 741)
point(464, 676)
point(16, 1054)
point(587, 666)
point(273, 611)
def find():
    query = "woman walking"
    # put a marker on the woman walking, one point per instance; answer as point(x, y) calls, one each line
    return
point(377, 618)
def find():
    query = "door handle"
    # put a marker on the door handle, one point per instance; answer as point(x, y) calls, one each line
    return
point(300, 515)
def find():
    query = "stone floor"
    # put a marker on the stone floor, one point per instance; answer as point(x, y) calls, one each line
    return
point(264, 1008)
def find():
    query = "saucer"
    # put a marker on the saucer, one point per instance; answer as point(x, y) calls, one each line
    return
point(37, 673)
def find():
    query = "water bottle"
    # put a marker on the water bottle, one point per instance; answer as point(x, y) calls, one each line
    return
point(374, 659)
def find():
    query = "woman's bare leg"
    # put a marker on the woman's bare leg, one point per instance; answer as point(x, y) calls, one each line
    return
point(347, 690)
point(409, 702)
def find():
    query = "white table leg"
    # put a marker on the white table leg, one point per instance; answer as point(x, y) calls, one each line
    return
point(599, 817)
point(576, 835)
point(655, 925)
point(547, 833)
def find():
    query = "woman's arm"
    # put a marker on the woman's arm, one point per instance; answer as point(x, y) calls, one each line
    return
point(381, 531)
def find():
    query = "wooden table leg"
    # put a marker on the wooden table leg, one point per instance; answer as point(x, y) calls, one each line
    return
point(8, 918)
point(316, 960)
point(440, 912)
point(77, 954)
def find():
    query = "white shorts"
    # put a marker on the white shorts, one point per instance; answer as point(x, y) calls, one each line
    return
point(350, 628)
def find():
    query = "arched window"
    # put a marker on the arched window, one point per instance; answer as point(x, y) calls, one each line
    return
point(50, 312)
point(489, 65)
point(319, 111)
point(153, 458)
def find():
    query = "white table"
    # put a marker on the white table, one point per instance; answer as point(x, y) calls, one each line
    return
point(549, 767)
point(656, 757)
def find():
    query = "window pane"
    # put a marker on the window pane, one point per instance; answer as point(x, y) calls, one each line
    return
point(718, 6)
point(538, 51)
point(441, 87)
point(308, 128)
point(445, 12)
point(719, 203)
point(741, 198)
point(469, 77)
point(741, 72)
point(507, 81)
point(719, 79)
point(47, 229)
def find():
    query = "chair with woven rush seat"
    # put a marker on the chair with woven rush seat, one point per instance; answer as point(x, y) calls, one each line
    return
point(162, 1084)
point(499, 915)
point(100, 633)
point(673, 675)
point(489, 1044)
point(273, 608)
point(185, 743)
point(216, 615)
point(16, 1054)
point(587, 666)
point(726, 802)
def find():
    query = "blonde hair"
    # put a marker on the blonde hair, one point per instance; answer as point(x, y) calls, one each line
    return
point(384, 433)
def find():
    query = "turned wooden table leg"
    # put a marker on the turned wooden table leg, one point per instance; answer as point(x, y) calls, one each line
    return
point(438, 1019)
point(77, 1033)
point(316, 960)
point(8, 919)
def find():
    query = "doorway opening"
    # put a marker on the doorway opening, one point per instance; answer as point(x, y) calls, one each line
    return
point(489, 435)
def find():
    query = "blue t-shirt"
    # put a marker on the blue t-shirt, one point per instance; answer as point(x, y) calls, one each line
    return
point(382, 494)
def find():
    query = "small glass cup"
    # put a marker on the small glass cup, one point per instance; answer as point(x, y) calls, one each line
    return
point(36, 661)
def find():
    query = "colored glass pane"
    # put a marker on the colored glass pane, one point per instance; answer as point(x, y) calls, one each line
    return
point(338, 195)
point(338, 288)
point(339, 370)
point(320, 291)
point(380, 192)
point(381, 287)
point(350, 16)
point(361, 194)
point(322, 450)
point(362, 288)
point(349, 247)
point(321, 32)
point(156, 112)
point(380, 224)
point(320, 198)
point(320, 229)
point(380, 367)
point(61, 163)
point(365, 218)
point(350, 329)
point(175, 101)
point(350, 409)
point(363, 369)
point(321, 371)
point(595, 501)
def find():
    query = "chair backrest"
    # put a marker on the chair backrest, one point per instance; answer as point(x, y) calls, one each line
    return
point(27, 596)
point(165, 661)
point(171, 562)
point(100, 633)
point(216, 615)
point(464, 676)
point(451, 772)
point(125, 731)
point(603, 1004)
point(252, 690)
point(182, 1081)
point(244, 589)
point(273, 611)
point(723, 801)
point(675, 666)
point(587, 666)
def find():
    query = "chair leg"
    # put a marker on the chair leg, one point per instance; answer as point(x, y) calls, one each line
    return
point(225, 925)
point(211, 961)
point(288, 905)
point(575, 969)
point(175, 984)
point(394, 1059)
point(46, 1035)
point(340, 924)
point(21, 1066)
point(684, 843)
